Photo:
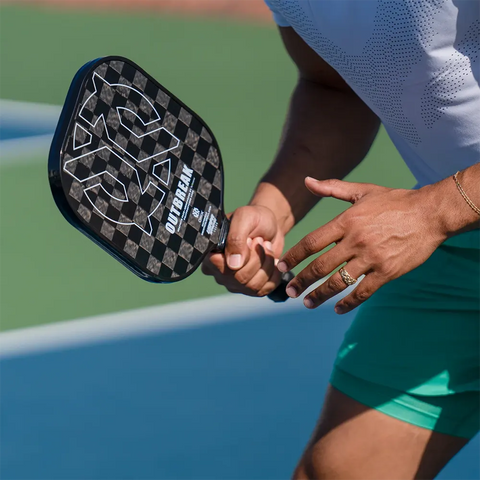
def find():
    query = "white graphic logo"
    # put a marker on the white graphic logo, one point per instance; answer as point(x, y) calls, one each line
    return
point(127, 131)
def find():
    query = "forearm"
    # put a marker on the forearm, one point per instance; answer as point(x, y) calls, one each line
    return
point(327, 133)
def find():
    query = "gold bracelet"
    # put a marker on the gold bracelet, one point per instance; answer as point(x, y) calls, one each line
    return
point(464, 195)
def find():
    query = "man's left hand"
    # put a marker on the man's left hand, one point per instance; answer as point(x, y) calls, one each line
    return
point(383, 235)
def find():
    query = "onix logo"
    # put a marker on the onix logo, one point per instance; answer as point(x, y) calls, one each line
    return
point(123, 131)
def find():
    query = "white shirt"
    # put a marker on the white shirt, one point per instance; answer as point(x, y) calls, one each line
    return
point(415, 63)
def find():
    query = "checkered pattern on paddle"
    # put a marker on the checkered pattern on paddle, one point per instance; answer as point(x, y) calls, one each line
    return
point(142, 172)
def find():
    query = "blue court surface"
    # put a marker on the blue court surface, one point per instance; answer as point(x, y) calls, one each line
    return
point(221, 388)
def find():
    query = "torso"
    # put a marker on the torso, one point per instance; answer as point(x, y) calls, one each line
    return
point(415, 63)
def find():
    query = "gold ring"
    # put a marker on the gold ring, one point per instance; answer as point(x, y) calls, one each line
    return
point(347, 278)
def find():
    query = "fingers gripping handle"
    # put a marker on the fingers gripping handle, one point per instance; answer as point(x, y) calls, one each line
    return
point(280, 293)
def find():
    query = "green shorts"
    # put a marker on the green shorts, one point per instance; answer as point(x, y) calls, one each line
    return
point(413, 350)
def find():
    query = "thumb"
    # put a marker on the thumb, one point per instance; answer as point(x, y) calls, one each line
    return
point(237, 251)
point(347, 191)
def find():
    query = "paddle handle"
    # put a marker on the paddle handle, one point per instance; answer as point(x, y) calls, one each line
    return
point(280, 293)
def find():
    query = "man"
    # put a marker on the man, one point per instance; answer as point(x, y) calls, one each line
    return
point(404, 393)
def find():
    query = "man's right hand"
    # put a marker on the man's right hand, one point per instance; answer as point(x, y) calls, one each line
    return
point(254, 244)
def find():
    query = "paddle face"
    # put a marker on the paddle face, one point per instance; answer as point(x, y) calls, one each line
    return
point(137, 171)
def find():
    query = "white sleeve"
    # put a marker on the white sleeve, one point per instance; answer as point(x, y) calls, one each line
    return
point(277, 17)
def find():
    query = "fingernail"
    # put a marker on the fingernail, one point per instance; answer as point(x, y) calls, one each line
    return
point(260, 241)
point(234, 260)
point(339, 310)
point(268, 246)
point(291, 292)
point(308, 302)
point(282, 267)
point(249, 242)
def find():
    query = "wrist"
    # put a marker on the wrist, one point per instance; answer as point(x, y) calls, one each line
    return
point(269, 196)
point(448, 209)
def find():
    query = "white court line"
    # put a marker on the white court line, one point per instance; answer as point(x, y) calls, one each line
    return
point(174, 316)
point(25, 149)
point(143, 321)
point(22, 150)
point(29, 112)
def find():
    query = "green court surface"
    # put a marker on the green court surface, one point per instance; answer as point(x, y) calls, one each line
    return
point(236, 76)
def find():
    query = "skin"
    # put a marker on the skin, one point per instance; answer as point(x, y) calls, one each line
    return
point(378, 447)
point(384, 234)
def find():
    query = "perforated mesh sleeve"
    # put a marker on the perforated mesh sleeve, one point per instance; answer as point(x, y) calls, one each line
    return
point(279, 19)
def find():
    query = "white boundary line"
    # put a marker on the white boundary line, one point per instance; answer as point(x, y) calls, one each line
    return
point(144, 321)
point(23, 150)
point(29, 112)
point(174, 316)
point(19, 151)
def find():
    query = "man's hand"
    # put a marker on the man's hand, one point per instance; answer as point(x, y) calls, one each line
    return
point(254, 244)
point(383, 235)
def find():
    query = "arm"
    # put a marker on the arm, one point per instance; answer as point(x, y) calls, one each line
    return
point(328, 132)
point(437, 212)
point(386, 233)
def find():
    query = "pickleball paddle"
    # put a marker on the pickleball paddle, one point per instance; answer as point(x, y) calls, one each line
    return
point(139, 173)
